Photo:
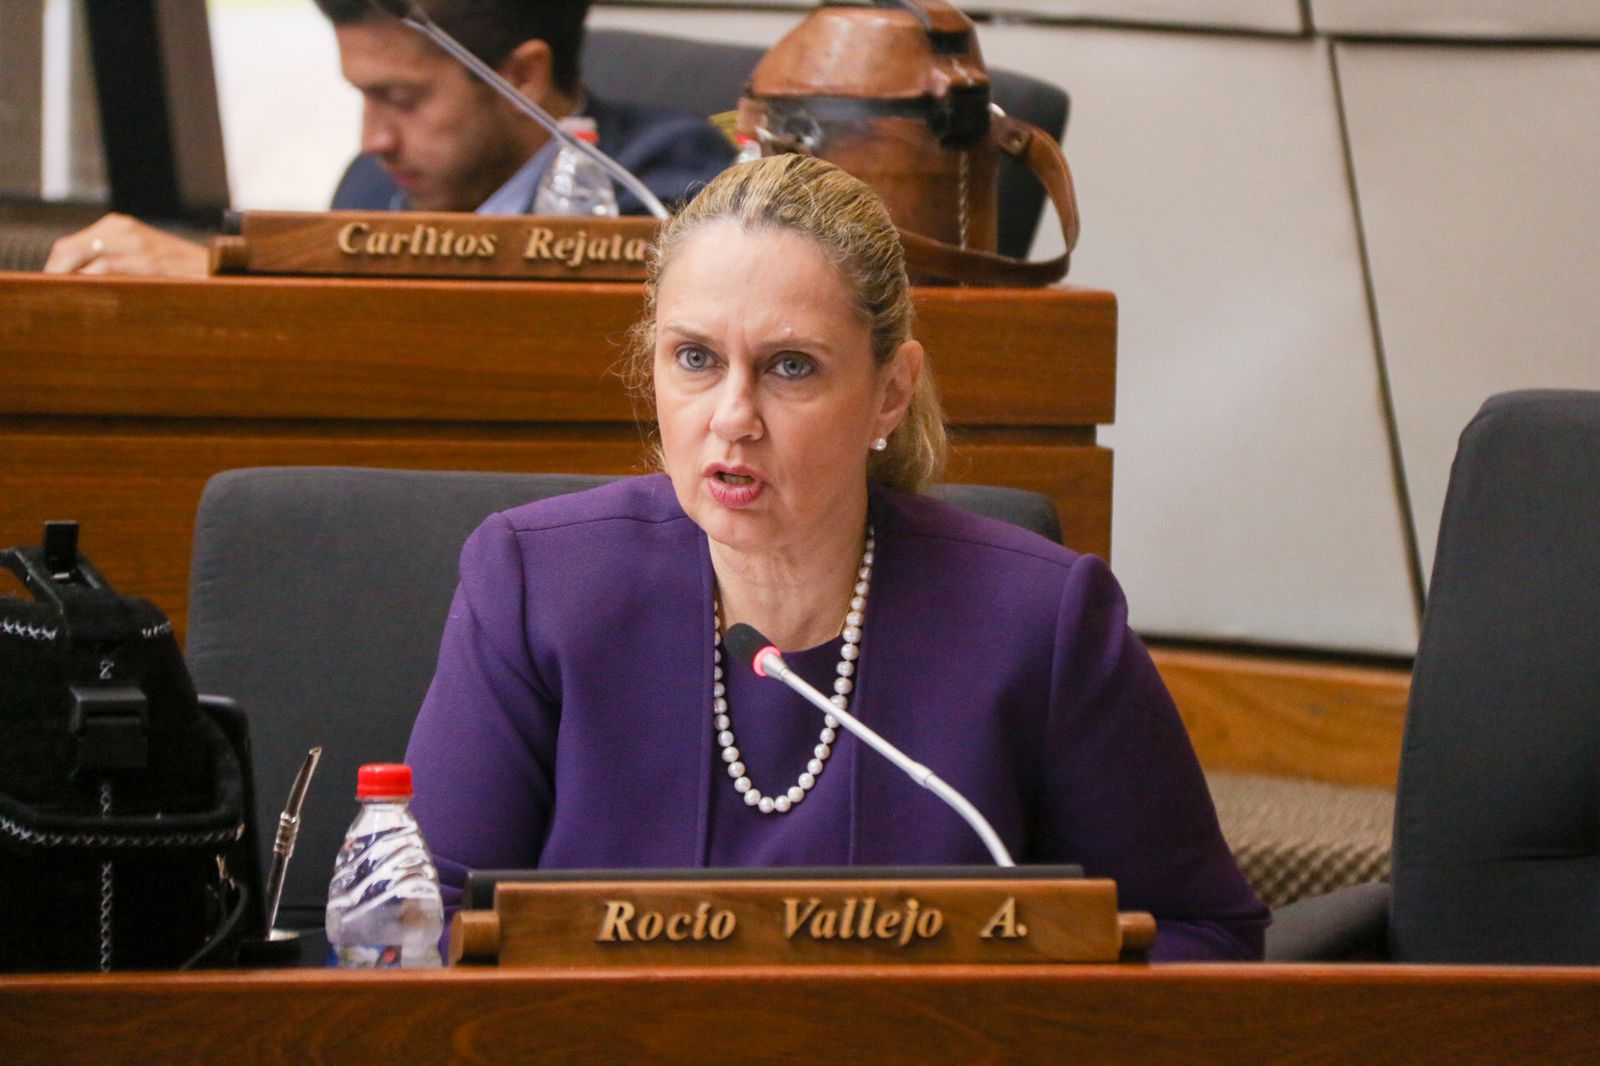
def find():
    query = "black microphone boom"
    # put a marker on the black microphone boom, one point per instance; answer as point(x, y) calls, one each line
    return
point(764, 658)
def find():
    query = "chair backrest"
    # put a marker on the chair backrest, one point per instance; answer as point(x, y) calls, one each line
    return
point(316, 600)
point(706, 77)
point(1497, 818)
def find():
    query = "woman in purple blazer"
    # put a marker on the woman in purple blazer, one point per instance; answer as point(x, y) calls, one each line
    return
point(584, 714)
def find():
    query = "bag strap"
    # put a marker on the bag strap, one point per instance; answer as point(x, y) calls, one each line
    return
point(1039, 152)
point(25, 826)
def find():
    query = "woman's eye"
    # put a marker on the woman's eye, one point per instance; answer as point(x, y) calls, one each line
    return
point(692, 358)
point(792, 366)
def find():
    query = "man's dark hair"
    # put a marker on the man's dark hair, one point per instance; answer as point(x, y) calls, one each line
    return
point(492, 29)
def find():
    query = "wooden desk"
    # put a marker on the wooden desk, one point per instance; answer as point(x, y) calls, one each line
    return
point(1072, 1014)
point(119, 397)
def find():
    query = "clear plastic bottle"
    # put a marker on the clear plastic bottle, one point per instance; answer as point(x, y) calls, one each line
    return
point(576, 184)
point(384, 908)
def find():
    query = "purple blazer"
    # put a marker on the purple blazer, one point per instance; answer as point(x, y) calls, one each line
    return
point(569, 722)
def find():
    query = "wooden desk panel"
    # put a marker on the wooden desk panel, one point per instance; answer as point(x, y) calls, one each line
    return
point(1228, 1014)
point(119, 397)
point(473, 351)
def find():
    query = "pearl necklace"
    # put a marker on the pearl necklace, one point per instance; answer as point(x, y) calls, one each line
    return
point(723, 724)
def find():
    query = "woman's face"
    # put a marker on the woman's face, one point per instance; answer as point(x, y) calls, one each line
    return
point(766, 393)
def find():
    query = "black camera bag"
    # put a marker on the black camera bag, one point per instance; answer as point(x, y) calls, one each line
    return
point(124, 834)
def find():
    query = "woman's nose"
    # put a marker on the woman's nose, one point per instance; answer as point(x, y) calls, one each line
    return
point(736, 416)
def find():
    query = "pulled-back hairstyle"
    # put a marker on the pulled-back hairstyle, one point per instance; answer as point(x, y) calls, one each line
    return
point(847, 221)
point(492, 29)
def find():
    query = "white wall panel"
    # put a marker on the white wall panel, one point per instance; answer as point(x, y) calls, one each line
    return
point(290, 122)
point(1253, 494)
point(1270, 16)
point(1493, 19)
point(1479, 177)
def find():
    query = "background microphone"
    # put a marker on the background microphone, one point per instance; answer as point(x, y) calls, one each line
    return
point(765, 659)
point(412, 15)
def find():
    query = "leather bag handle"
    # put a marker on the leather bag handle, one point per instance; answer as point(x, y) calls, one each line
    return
point(1039, 152)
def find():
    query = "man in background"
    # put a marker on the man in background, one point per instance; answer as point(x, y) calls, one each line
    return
point(435, 138)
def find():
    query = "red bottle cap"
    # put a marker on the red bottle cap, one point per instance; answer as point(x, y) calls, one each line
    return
point(382, 780)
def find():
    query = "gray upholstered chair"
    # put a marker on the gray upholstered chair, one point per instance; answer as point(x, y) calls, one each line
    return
point(1497, 813)
point(707, 78)
point(316, 600)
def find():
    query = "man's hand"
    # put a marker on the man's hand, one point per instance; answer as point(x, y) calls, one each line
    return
point(117, 244)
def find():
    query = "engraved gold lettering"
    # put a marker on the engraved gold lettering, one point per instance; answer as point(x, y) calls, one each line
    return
point(864, 926)
point(886, 924)
point(635, 250)
point(794, 917)
point(676, 925)
point(614, 924)
point(488, 244)
point(860, 918)
point(722, 925)
point(539, 239)
point(623, 923)
point(563, 248)
point(348, 233)
point(1003, 925)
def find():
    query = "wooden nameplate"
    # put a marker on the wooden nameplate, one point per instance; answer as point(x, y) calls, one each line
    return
point(705, 922)
point(424, 244)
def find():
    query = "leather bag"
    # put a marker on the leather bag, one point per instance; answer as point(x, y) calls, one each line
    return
point(895, 92)
point(125, 841)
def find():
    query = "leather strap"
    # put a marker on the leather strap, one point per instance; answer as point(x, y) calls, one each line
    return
point(1038, 151)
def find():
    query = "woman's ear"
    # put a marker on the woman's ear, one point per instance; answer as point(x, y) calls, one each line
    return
point(528, 67)
point(899, 383)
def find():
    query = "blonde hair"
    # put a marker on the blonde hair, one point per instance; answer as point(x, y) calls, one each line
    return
point(850, 224)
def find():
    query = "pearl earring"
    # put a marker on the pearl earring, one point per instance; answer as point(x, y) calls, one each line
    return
point(880, 444)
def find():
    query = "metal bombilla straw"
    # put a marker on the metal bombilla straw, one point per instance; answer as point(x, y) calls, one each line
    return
point(412, 15)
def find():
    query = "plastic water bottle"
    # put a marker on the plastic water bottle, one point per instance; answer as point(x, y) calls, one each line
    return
point(383, 902)
point(576, 184)
point(749, 149)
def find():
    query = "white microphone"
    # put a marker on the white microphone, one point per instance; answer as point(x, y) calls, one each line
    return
point(412, 15)
point(765, 659)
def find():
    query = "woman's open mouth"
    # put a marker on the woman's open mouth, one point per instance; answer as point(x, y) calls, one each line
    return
point(733, 487)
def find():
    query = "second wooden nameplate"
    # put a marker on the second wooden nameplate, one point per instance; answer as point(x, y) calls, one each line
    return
point(423, 244)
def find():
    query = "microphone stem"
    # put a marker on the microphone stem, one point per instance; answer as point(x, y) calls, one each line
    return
point(776, 667)
point(420, 22)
